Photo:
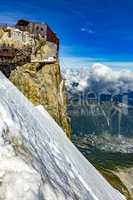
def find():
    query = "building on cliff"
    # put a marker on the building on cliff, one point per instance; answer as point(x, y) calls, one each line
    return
point(40, 37)
point(34, 67)
point(37, 28)
point(48, 43)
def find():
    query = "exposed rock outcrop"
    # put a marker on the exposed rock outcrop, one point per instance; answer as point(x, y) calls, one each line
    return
point(43, 84)
point(126, 176)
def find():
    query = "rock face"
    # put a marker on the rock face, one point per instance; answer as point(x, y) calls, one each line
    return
point(37, 160)
point(126, 176)
point(43, 84)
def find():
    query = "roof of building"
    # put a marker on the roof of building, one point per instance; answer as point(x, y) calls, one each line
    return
point(23, 22)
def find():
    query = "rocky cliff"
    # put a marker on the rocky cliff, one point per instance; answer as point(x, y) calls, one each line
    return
point(43, 84)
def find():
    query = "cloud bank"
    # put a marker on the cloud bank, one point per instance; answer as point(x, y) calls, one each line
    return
point(99, 79)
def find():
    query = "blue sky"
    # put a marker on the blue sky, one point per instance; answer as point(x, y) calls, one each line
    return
point(90, 30)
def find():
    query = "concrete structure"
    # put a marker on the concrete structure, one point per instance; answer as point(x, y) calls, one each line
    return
point(38, 28)
point(27, 40)
point(47, 53)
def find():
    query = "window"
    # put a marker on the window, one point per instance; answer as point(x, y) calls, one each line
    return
point(5, 50)
point(37, 28)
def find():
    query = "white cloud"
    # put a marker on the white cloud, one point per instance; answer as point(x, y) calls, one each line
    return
point(100, 79)
point(87, 30)
point(83, 29)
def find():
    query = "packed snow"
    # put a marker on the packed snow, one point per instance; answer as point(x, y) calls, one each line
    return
point(37, 160)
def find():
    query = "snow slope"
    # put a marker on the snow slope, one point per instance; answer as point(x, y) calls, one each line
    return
point(37, 160)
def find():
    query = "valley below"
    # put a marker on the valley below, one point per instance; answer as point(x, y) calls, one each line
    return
point(115, 166)
point(106, 142)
